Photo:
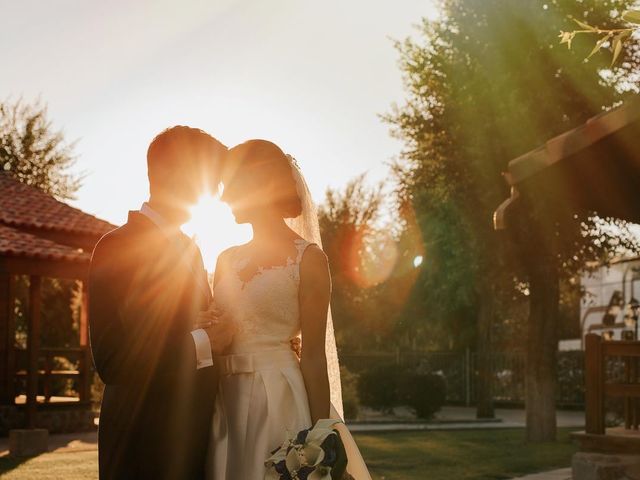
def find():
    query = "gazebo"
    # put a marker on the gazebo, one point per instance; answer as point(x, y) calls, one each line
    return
point(592, 168)
point(42, 237)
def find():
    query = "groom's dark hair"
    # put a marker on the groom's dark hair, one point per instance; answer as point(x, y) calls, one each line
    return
point(180, 152)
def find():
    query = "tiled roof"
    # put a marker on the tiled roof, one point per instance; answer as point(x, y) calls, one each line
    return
point(14, 243)
point(23, 206)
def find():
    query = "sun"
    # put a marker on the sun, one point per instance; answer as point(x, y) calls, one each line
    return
point(214, 229)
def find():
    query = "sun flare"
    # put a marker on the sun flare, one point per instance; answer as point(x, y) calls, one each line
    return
point(214, 229)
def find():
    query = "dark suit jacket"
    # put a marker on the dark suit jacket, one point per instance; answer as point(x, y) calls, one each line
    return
point(144, 294)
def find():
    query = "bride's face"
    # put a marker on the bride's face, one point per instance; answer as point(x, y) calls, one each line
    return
point(249, 200)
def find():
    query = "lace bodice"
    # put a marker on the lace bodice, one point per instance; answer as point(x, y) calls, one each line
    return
point(265, 306)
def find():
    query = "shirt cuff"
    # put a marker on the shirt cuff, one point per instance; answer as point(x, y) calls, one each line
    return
point(204, 357)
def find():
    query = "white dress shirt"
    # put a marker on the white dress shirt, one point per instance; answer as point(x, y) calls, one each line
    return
point(204, 356)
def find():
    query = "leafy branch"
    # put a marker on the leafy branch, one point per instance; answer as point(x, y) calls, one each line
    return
point(616, 37)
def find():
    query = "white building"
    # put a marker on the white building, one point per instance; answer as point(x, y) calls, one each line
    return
point(608, 291)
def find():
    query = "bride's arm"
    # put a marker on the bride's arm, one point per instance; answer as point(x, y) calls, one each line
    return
point(314, 296)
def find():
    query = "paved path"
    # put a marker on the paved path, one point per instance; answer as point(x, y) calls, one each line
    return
point(462, 418)
point(62, 442)
point(563, 474)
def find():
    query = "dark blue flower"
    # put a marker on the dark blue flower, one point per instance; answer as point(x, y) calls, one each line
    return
point(330, 447)
point(301, 438)
point(335, 455)
point(281, 468)
point(305, 471)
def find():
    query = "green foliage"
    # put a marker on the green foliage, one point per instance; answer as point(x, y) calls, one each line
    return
point(613, 37)
point(350, 398)
point(372, 268)
point(632, 16)
point(485, 83)
point(348, 224)
point(378, 387)
point(60, 312)
point(60, 322)
point(383, 387)
point(424, 392)
point(33, 152)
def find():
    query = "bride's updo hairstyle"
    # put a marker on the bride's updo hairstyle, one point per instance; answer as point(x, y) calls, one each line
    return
point(259, 175)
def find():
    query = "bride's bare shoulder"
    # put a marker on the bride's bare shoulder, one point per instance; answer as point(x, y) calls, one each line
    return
point(315, 253)
point(227, 254)
point(314, 260)
point(315, 278)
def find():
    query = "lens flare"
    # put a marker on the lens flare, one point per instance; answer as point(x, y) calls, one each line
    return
point(374, 260)
point(214, 229)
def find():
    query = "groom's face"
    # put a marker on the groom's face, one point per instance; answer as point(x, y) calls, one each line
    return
point(183, 164)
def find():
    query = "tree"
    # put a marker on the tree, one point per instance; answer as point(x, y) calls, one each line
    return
point(615, 38)
point(487, 82)
point(348, 225)
point(33, 152)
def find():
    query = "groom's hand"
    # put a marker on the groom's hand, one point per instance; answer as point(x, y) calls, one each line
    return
point(219, 327)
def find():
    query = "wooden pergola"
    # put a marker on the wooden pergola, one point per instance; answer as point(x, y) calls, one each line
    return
point(594, 168)
point(41, 237)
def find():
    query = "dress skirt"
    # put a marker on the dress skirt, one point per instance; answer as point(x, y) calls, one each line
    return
point(261, 402)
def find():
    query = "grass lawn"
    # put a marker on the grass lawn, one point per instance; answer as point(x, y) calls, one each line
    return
point(461, 455)
point(437, 455)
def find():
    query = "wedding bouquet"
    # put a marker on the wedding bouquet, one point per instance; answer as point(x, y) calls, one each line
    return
point(314, 454)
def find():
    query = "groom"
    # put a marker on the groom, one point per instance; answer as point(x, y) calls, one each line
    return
point(147, 289)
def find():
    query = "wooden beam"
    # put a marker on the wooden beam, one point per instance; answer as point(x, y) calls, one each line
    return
point(616, 441)
point(622, 389)
point(45, 268)
point(621, 348)
point(33, 347)
point(80, 240)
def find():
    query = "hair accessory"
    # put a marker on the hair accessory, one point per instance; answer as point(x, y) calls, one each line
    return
point(293, 161)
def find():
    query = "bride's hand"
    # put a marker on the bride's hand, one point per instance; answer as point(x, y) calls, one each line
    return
point(208, 318)
point(219, 327)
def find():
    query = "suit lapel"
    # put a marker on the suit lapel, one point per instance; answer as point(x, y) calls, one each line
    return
point(188, 261)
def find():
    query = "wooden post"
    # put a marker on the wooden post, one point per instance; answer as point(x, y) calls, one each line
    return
point(85, 355)
point(7, 339)
point(594, 383)
point(47, 376)
point(33, 348)
point(84, 315)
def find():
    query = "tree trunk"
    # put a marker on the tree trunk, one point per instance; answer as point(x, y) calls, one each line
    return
point(484, 360)
point(541, 351)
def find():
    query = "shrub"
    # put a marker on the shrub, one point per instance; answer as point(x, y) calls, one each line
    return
point(424, 392)
point(350, 398)
point(378, 386)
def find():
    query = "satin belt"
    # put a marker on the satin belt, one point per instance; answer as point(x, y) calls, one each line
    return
point(253, 362)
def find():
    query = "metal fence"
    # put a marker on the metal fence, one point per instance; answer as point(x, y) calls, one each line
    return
point(461, 375)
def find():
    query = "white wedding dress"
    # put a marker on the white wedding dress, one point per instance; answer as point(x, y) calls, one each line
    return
point(262, 399)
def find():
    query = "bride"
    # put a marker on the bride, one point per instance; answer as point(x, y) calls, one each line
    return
point(276, 289)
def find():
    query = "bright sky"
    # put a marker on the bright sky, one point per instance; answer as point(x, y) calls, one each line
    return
point(310, 76)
